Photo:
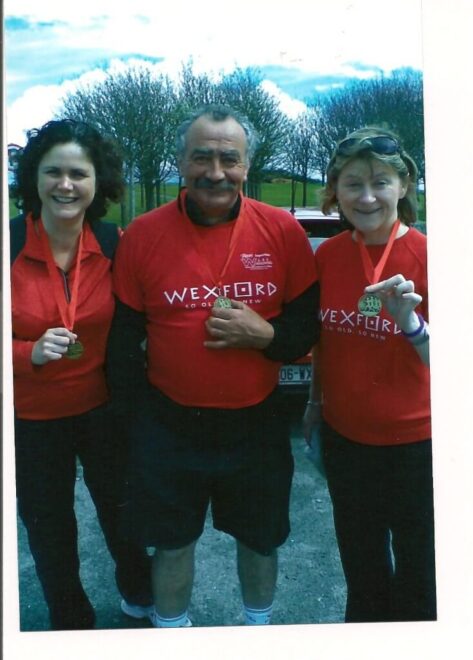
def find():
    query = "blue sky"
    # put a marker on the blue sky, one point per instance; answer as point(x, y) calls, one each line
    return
point(300, 47)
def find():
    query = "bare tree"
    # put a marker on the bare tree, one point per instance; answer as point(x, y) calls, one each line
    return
point(195, 90)
point(242, 90)
point(394, 101)
point(290, 160)
point(303, 147)
point(139, 110)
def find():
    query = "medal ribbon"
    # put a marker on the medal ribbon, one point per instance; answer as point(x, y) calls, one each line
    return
point(67, 310)
point(373, 273)
point(237, 229)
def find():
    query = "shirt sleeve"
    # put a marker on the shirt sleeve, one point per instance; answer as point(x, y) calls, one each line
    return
point(22, 350)
point(126, 271)
point(296, 328)
point(125, 365)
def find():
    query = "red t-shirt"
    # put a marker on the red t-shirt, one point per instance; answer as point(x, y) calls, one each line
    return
point(375, 388)
point(168, 267)
point(64, 387)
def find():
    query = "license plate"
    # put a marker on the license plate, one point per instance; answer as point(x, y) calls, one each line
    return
point(295, 374)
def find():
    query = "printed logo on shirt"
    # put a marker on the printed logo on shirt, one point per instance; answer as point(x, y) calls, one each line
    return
point(256, 261)
point(356, 324)
point(205, 296)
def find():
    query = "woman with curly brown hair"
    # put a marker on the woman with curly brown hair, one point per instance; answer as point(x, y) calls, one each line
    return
point(62, 306)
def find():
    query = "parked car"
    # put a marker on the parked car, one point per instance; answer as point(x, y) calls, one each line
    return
point(295, 378)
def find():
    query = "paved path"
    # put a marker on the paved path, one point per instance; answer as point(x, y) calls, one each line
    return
point(311, 588)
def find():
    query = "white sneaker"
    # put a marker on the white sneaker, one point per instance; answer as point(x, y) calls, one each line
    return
point(137, 611)
point(154, 620)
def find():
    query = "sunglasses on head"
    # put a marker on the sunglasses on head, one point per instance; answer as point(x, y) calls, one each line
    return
point(380, 144)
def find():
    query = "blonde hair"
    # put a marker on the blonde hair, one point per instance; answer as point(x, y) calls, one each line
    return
point(361, 148)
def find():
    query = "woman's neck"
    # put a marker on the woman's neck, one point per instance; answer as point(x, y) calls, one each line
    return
point(62, 233)
point(381, 237)
point(63, 236)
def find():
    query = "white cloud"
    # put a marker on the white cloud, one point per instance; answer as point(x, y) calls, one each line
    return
point(39, 104)
point(35, 107)
point(315, 37)
point(291, 107)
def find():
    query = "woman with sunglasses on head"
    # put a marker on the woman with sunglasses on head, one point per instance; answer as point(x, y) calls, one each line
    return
point(368, 414)
point(62, 307)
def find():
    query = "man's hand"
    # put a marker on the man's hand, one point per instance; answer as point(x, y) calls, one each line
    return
point(238, 327)
point(52, 345)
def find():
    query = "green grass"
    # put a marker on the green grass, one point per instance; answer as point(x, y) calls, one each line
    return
point(277, 193)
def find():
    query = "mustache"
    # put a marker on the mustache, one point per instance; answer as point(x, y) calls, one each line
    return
point(206, 184)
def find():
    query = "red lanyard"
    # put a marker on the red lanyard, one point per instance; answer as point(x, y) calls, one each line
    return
point(373, 273)
point(67, 310)
point(237, 229)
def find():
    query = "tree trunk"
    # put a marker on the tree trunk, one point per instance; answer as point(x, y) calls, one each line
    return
point(131, 194)
point(123, 219)
point(293, 195)
point(149, 194)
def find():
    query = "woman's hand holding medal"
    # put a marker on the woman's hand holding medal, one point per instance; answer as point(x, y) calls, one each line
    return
point(237, 326)
point(52, 345)
point(399, 299)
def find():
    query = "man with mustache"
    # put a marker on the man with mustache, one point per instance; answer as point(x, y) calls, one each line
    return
point(222, 288)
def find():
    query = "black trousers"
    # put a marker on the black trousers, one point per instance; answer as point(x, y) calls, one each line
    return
point(46, 455)
point(384, 521)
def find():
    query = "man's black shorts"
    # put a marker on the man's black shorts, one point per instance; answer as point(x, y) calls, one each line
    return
point(184, 458)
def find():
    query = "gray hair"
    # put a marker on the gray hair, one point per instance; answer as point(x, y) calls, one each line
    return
point(217, 113)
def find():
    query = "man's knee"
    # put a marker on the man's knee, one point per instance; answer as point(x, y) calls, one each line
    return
point(247, 553)
point(175, 555)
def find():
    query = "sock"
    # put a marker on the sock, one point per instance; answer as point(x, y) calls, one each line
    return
point(180, 621)
point(257, 617)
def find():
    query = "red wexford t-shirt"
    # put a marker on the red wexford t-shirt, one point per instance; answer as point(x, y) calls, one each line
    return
point(169, 268)
point(64, 387)
point(375, 388)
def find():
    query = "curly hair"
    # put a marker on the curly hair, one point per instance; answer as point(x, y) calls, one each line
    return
point(400, 161)
point(102, 151)
point(217, 113)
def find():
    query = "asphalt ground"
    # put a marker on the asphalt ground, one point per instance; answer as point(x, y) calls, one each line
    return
point(311, 587)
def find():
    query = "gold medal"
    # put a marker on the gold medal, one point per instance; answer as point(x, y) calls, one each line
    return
point(223, 302)
point(75, 351)
point(370, 304)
